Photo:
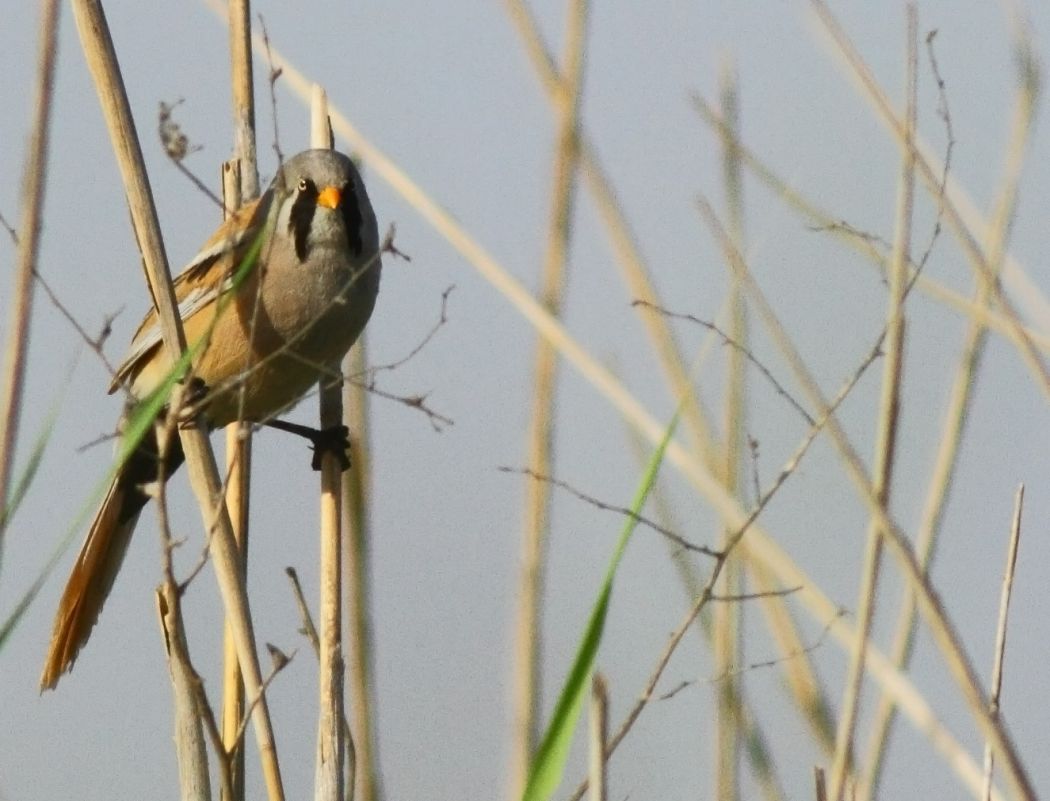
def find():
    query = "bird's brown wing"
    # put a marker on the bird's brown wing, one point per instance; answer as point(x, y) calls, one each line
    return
point(201, 281)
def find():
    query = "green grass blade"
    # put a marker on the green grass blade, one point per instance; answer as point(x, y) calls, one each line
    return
point(136, 426)
point(549, 763)
point(21, 486)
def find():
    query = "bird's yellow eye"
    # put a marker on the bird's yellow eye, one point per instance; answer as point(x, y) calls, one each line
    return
point(303, 183)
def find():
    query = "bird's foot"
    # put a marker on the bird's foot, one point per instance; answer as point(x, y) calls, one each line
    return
point(334, 440)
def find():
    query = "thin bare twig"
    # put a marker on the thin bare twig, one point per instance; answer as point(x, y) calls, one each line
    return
point(679, 540)
point(274, 76)
point(741, 348)
point(767, 663)
point(177, 147)
point(95, 343)
point(308, 629)
point(418, 348)
point(11, 232)
point(276, 667)
point(705, 596)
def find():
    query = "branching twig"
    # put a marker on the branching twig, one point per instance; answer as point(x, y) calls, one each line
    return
point(675, 538)
point(277, 667)
point(728, 340)
point(754, 596)
point(274, 76)
point(768, 663)
point(442, 319)
point(11, 232)
point(177, 146)
point(308, 629)
point(731, 542)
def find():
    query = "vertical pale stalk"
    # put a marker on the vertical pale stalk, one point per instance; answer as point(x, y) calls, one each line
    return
point(635, 273)
point(727, 650)
point(238, 466)
point(528, 640)
point(200, 461)
point(825, 221)
point(759, 544)
point(888, 419)
point(362, 745)
point(1000, 633)
point(240, 185)
point(330, 779)
point(240, 26)
point(33, 183)
point(962, 392)
point(190, 750)
point(958, 216)
point(943, 631)
point(598, 725)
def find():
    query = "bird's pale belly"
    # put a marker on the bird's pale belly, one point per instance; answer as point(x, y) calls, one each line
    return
point(292, 346)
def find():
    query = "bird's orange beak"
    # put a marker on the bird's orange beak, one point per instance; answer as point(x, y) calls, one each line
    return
point(329, 197)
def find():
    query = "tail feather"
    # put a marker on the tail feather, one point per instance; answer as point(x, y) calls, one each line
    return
point(101, 556)
point(92, 578)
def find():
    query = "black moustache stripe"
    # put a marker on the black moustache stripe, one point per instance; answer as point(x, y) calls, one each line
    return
point(352, 219)
point(301, 218)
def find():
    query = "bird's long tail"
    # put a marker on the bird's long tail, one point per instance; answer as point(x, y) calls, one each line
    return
point(101, 556)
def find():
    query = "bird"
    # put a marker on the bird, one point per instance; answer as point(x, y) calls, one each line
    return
point(264, 328)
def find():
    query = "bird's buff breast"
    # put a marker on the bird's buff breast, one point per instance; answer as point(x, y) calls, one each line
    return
point(268, 345)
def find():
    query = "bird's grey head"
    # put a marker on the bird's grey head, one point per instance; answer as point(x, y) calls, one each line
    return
point(324, 204)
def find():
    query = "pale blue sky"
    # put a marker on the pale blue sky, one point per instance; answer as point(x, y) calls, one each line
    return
point(447, 91)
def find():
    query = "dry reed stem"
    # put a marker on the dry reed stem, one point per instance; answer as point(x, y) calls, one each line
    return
point(34, 179)
point(943, 630)
point(889, 412)
point(759, 545)
point(635, 272)
point(962, 227)
point(330, 778)
point(192, 755)
point(967, 216)
point(727, 651)
point(1000, 632)
point(962, 391)
point(826, 222)
point(238, 470)
point(243, 83)
point(820, 784)
point(598, 728)
point(310, 631)
point(361, 740)
point(525, 691)
point(189, 706)
point(200, 461)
